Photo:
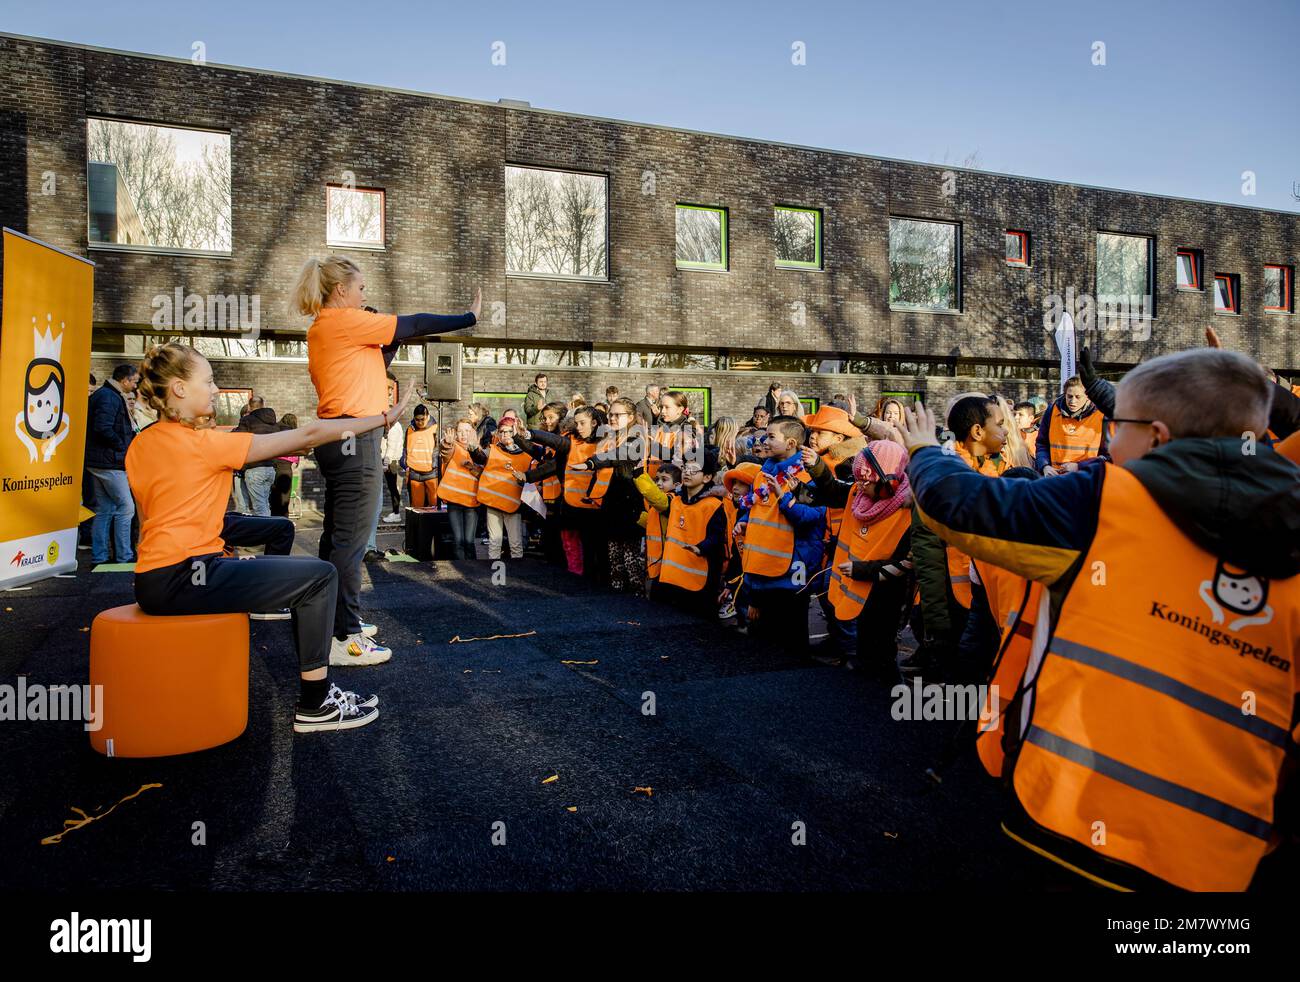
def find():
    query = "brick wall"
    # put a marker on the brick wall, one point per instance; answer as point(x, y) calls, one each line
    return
point(441, 160)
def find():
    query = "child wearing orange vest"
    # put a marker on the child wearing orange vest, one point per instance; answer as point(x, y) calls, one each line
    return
point(500, 488)
point(784, 539)
point(695, 534)
point(181, 470)
point(1073, 430)
point(739, 485)
point(422, 459)
point(1171, 598)
point(461, 461)
point(870, 569)
point(585, 549)
point(667, 479)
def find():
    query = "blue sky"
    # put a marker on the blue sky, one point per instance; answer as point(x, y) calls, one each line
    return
point(1192, 93)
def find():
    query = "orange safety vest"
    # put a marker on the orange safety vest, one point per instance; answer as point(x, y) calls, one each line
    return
point(551, 487)
point(585, 488)
point(1160, 716)
point(1013, 602)
point(1072, 440)
point(459, 485)
point(686, 526)
point(732, 515)
point(659, 447)
point(496, 488)
point(1290, 447)
point(769, 536)
point(859, 541)
point(958, 561)
point(834, 516)
point(421, 445)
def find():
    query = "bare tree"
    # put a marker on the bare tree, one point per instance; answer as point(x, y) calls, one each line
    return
point(555, 222)
point(184, 205)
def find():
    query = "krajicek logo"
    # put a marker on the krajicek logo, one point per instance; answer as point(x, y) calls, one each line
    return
point(105, 935)
point(23, 703)
point(946, 702)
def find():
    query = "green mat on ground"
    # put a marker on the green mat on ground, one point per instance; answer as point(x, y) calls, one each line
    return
point(114, 568)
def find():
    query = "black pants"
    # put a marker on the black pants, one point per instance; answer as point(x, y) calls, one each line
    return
point(394, 491)
point(217, 584)
point(464, 523)
point(352, 486)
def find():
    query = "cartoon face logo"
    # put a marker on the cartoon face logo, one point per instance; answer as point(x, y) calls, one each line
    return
point(43, 408)
point(42, 420)
point(1238, 592)
point(681, 521)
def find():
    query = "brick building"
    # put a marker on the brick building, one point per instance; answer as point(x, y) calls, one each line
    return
point(902, 277)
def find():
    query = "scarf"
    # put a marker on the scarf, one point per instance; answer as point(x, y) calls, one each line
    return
point(893, 459)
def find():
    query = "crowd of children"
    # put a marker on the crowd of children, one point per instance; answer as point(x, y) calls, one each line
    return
point(1121, 564)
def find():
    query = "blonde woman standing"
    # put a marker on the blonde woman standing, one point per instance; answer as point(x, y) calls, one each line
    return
point(349, 348)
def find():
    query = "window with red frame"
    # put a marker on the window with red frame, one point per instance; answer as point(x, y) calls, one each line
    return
point(1189, 269)
point(1277, 288)
point(1017, 248)
point(1227, 293)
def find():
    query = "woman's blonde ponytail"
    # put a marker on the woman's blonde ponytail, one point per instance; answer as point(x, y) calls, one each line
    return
point(317, 281)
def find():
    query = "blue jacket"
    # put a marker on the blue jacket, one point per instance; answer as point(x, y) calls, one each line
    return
point(809, 523)
point(108, 429)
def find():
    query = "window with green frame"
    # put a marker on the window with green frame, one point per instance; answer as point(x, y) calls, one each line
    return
point(810, 405)
point(798, 235)
point(701, 237)
point(700, 399)
point(499, 402)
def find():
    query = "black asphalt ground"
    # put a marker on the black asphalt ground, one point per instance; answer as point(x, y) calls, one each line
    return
point(745, 742)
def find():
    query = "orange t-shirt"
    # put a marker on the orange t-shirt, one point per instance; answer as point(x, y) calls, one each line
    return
point(345, 361)
point(181, 480)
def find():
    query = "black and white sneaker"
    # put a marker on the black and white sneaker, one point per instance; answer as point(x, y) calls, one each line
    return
point(283, 614)
point(339, 711)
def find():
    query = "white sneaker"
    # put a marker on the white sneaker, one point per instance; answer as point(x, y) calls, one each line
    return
point(357, 649)
point(392, 518)
point(339, 711)
point(369, 630)
point(283, 614)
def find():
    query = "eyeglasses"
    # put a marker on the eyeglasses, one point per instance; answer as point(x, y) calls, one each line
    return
point(1110, 424)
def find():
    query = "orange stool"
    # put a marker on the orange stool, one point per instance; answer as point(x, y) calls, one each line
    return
point(171, 685)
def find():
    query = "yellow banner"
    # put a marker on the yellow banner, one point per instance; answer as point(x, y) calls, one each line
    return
point(45, 321)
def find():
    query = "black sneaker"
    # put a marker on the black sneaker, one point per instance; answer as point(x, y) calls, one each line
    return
point(374, 556)
point(339, 711)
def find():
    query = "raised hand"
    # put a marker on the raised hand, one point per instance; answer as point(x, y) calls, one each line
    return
point(919, 427)
point(476, 308)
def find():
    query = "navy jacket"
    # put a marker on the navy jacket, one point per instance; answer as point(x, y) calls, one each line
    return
point(108, 429)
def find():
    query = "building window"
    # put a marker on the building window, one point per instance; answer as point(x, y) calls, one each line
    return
point(1227, 293)
point(354, 217)
point(1017, 248)
point(798, 233)
point(924, 258)
point(230, 405)
point(157, 187)
point(701, 237)
point(1277, 288)
point(557, 223)
point(1124, 283)
point(1189, 269)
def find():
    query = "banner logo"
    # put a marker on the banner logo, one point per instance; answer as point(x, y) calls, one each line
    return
point(41, 425)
